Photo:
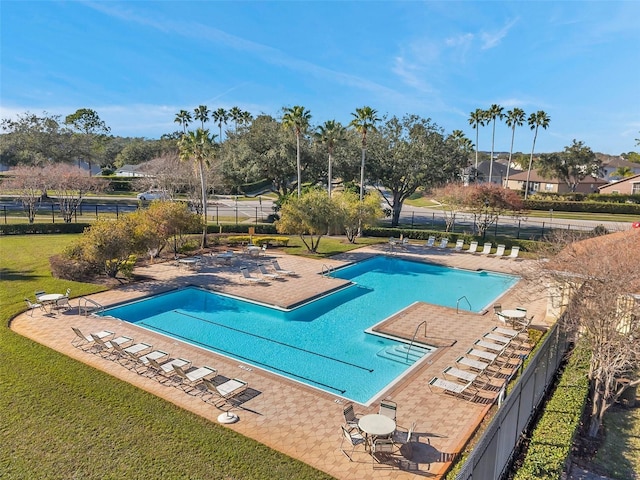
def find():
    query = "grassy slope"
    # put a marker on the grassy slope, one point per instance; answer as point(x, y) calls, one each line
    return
point(62, 419)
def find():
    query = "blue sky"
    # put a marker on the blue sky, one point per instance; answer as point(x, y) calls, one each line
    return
point(138, 63)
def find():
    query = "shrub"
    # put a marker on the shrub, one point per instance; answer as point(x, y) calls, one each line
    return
point(68, 269)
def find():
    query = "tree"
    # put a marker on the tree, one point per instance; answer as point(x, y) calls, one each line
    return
point(596, 282)
point(201, 113)
point(408, 153)
point(364, 120)
point(488, 202)
point(576, 163)
point(310, 216)
point(198, 147)
point(476, 120)
point(353, 213)
point(515, 118)
point(220, 116)
point(331, 134)
point(235, 114)
point(184, 119)
point(28, 184)
point(297, 118)
point(69, 185)
point(93, 131)
point(161, 222)
point(623, 172)
point(453, 198)
point(535, 121)
point(108, 245)
point(494, 112)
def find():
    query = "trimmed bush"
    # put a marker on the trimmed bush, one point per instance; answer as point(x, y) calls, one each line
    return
point(42, 228)
point(552, 438)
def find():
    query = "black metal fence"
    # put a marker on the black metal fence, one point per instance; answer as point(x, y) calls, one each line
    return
point(495, 450)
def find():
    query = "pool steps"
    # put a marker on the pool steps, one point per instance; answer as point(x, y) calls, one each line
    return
point(398, 353)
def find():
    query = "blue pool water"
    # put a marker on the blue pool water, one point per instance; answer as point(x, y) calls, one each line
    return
point(322, 343)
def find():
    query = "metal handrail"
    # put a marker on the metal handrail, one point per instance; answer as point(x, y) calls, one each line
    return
point(88, 301)
point(458, 303)
point(424, 322)
point(326, 269)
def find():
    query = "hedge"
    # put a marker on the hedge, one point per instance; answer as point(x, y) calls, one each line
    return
point(41, 228)
point(553, 436)
point(586, 207)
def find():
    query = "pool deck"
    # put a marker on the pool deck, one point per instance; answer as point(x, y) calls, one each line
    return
point(297, 420)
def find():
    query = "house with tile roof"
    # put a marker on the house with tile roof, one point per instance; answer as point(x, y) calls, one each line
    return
point(625, 186)
point(538, 183)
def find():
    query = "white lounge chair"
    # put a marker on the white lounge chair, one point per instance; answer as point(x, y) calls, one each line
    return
point(108, 347)
point(142, 364)
point(127, 356)
point(473, 247)
point(456, 373)
point(247, 276)
point(281, 271)
point(486, 249)
point(265, 274)
point(500, 250)
point(476, 365)
point(224, 391)
point(82, 340)
point(459, 245)
point(165, 369)
point(431, 241)
point(515, 251)
point(443, 243)
point(454, 388)
point(192, 378)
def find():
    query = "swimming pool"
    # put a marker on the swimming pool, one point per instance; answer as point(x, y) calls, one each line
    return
point(322, 343)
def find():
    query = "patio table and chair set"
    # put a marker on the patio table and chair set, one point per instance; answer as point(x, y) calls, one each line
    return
point(159, 365)
point(54, 301)
point(387, 443)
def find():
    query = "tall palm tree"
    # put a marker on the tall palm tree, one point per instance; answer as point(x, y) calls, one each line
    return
point(494, 112)
point(535, 120)
point(220, 116)
point(331, 134)
point(364, 119)
point(476, 120)
point(198, 147)
point(297, 118)
point(202, 113)
point(235, 114)
point(515, 118)
point(246, 118)
point(184, 119)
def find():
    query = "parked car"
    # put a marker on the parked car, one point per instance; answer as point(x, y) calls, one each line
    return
point(153, 195)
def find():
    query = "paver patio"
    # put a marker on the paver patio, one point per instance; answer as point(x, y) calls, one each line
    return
point(295, 419)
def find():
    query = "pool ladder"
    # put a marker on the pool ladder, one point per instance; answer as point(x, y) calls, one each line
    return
point(413, 339)
point(458, 303)
point(326, 270)
point(88, 306)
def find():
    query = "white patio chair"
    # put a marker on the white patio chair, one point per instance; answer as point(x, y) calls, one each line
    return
point(388, 408)
point(444, 242)
point(354, 438)
point(473, 247)
point(486, 249)
point(33, 306)
point(459, 245)
point(515, 251)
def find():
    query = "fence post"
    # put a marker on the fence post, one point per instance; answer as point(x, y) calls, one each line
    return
point(412, 216)
point(495, 232)
point(4, 208)
point(53, 215)
point(256, 215)
point(117, 211)
point(542, 229)
point(518, 231)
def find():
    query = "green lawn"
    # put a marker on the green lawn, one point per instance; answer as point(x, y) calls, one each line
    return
point(619, 455)
point(62, 419)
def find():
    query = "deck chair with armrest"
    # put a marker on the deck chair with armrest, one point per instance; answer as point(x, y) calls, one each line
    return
point(164, 371)
point(33, 306)
point(460, 375)
point(404, 439)
point(465, 391)
point(107, 348)
point(388, 408)
point(85, 341)
point(127, 356)
point(141, 364)
point(191, 379)
point(247, 276)
point(265, 274)
point(354, 438)
point(350, 416)
point(382, 452)
point(475, 365)
point(224, 391)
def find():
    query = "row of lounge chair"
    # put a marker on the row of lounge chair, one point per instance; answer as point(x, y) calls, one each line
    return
point(473, 247)
point(486, 366)
point(276, 273)
point(157, 364)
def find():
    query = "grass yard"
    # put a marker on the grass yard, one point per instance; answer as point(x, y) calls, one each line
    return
point(619, 455)
point(63, 419)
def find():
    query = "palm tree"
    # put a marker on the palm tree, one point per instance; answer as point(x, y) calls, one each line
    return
point(365, 119)
point(235, 114)
point(246, 118)
point(202, 113)
point(220, 116)
point(535, 120)
point(297, 118)
point(198, 147)
point(183, 118)
point(515, 118)
point(495, 111)
point(476, 120)
point(331, 134)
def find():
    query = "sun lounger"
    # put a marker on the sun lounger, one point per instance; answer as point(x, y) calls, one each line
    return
point(224, 391)
point(473, 247)
point(192, 378)
point(265, 274)
point(431, 241)
point(82, 340)
point(103, 347)
point(476, 365)
point(281, 271)
point(488, 356)
point(454, 388)
point(494, 337)
point(515, 251)
point(499, 250)
point(486, 249)
point(165, 370)
point(247, 276)
point(443, 243)
point(459, 245)
point(460, 374)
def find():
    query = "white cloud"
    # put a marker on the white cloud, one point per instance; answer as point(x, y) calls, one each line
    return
point(493, 39)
